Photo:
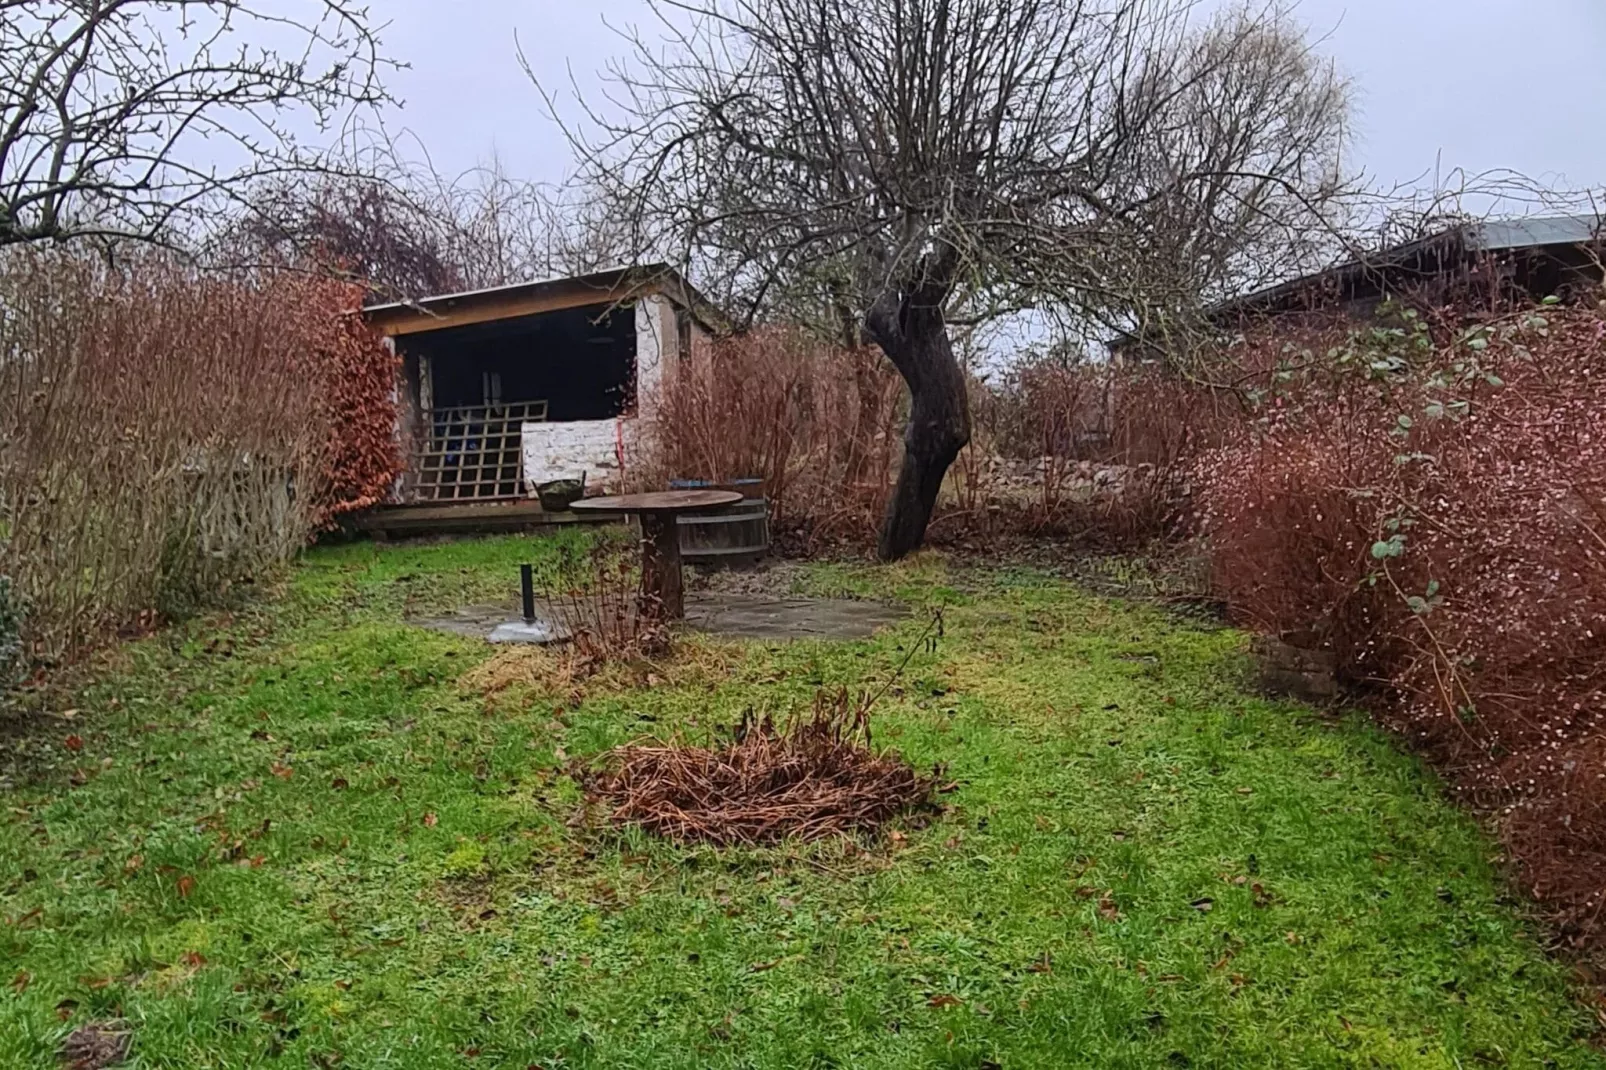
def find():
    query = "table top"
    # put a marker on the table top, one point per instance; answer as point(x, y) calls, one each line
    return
point(663, 501)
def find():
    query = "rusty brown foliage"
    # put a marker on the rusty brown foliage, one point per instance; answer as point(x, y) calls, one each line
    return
point(1425, 497)
point(356, 374)
point(816, 775)
point(167, 434)
point(818, 423)
point(1079, 450)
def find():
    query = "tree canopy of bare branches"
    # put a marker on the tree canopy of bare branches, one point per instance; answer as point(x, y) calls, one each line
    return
point(899, 166)
point(129, 118)
point(408, 232)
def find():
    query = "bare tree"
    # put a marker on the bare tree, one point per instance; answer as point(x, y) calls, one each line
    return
point(126, 118)
point(906, 165)
point(408, 232)
point(364, 229)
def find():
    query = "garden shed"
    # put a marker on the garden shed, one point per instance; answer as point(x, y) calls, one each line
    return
point(507, 388)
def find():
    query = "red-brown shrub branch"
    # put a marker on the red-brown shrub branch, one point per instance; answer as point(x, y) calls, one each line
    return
point(167, 433)
point(1430, 505)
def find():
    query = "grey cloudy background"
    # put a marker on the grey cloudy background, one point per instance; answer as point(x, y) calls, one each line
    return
point(1476, 84)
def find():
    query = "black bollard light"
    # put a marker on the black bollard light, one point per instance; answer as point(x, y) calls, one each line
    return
point(527, 588)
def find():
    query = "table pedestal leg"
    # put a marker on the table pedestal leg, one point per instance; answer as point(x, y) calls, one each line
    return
point(661, 581)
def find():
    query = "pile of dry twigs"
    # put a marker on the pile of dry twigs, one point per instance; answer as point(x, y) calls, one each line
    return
point(811, 777)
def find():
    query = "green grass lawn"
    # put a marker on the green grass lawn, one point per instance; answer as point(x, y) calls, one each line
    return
point(297, 837)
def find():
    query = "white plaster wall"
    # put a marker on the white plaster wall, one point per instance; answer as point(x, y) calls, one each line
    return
point(566, 450)
point(657, 349)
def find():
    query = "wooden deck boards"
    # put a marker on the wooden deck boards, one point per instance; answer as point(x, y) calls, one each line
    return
point(466, 518)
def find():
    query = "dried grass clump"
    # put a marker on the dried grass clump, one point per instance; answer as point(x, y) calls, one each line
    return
point(568, 671)
point(536, 667)
point(813, 777)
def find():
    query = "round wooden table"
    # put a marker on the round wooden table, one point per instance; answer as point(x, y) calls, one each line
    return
point(662, 586)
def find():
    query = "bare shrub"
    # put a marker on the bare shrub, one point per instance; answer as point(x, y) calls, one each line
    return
point(1094, 451)
point(1079, 449)
point(1428, 501)
point(163, 435)
point(814, 776)
point(817, 423)
point(594, 587)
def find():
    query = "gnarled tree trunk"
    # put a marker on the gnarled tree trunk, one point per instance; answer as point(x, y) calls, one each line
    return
point(909, 328)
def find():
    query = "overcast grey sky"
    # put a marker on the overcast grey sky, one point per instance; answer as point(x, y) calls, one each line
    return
point(1485, 84)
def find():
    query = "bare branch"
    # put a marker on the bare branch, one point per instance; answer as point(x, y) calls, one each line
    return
point(127, 118)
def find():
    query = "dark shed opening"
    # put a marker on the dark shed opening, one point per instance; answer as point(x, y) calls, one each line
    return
point(580, 361)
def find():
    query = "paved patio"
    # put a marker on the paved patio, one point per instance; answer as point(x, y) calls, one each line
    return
point(734, 615)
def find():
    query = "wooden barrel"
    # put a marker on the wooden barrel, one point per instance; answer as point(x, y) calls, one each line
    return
point(733, 536)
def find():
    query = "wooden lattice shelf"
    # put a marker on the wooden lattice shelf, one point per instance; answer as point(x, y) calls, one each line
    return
point(475, 453)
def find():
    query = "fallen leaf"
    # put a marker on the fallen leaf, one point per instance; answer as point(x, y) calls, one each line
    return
point(20, 983)
point(1203, 905)
point(186, 885)
point(283, 772)
point(1108, 910)
point(898, 837)
point(430, 820)
point(134, 863)
point(193, 958)
point(340, 783)
point(73, 743)
point(944, 1001)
